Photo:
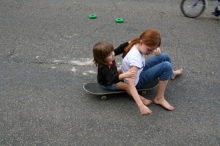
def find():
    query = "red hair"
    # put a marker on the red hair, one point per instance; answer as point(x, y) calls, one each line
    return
point(150, 37)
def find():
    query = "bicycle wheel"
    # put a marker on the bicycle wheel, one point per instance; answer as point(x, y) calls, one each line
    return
point(192, 8)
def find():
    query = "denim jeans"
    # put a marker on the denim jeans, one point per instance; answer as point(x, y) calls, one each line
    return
point(156, 67)
point(109, 87)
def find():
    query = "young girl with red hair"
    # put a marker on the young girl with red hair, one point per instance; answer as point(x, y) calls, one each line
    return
point(157, 67)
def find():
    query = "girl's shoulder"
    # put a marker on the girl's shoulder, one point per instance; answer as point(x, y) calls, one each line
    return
point(134, 51)
point(102, 65)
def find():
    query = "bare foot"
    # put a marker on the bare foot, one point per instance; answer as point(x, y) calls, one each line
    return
point(145, 110)
point(163, 103)
point(145, 101)
point(176, 73)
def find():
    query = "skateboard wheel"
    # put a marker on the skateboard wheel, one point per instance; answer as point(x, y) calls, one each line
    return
point(92, 16)
point(103, 97)
point(119, 20)
point(143, 93)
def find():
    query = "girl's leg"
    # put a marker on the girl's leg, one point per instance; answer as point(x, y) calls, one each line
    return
point(156, 60)
point(164, 72)
point(159, 59)
point(124, 86)
point(160, 96)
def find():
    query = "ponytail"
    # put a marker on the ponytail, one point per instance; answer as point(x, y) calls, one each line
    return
point(131, 44)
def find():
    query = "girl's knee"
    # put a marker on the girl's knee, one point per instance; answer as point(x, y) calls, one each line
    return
point(167, 65)
point(167, 71)
point(165, 57)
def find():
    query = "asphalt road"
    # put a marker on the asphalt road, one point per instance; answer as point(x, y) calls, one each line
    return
point(46, 56)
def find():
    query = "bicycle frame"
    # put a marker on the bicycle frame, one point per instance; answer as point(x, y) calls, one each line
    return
point(217, 2)
point(206, 3)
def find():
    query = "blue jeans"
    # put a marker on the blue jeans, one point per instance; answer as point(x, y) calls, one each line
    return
point(156, 67)
point(110, 87)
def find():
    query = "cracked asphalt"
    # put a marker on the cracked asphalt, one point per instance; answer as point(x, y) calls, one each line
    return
point(46, 56)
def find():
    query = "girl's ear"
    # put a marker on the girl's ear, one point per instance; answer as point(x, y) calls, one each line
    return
point(140, 42)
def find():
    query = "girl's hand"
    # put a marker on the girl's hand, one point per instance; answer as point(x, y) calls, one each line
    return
point(157, 51)
point(130, 74)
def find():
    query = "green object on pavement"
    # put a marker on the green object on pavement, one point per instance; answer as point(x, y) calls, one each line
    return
point(92, 16)
point(119, 20)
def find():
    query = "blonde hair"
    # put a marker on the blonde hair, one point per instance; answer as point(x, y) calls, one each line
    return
point(100, 51)
point(150, 37)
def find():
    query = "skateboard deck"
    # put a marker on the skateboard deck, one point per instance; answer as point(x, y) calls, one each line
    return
point(96, 89)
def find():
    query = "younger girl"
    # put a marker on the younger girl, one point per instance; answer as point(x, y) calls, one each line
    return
point(109, 76)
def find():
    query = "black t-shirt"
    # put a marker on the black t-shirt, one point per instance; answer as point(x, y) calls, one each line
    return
point(109, 75)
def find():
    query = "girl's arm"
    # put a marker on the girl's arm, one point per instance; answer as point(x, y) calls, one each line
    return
point(144, 109)
point(128, 74)
point(112, 77)
point(121, 48)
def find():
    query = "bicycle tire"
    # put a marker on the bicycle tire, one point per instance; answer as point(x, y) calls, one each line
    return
point(192, 8)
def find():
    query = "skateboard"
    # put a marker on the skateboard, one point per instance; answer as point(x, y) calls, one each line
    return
point(96, 89)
